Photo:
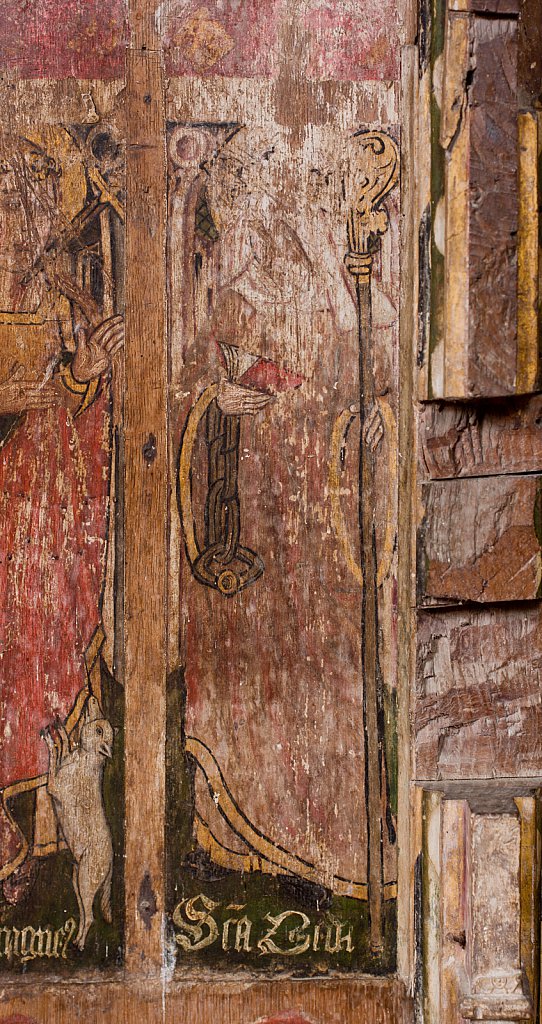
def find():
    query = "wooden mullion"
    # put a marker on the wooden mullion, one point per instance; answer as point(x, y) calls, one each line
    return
point(146, 502)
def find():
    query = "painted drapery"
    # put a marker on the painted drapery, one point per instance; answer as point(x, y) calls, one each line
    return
point(59, 338)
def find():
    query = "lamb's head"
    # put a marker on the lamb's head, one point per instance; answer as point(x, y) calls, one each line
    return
point(96, 732)
point(97, 737)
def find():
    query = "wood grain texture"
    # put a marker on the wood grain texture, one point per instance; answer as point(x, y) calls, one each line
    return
point(478, 701)
point(528, 242)
point(484, 335)
point(530, 849)
point(455, 139)
point(230, 1002)
point(530, 47)
point(479, 540)
point(145, 504)
point(482, 439)
point(411, 203)
point(454, 866)
point(493, 207)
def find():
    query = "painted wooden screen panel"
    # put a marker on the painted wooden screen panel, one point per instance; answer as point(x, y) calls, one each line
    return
point(282, 849)
point(283, 291)
point(62, 202)
point(62, 193)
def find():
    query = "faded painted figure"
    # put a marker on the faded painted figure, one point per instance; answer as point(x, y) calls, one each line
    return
point(265, 332)
point(58, 342)
point(75, 784)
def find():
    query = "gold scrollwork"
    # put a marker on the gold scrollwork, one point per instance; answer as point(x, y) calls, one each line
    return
point(368, 218)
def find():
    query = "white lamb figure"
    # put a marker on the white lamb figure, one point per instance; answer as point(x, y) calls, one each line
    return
point(75, 785)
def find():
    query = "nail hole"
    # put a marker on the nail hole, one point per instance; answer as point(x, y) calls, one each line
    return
point(149, 449)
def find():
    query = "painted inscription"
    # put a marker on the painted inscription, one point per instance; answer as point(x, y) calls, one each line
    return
point(30, 943)
point(201, 922)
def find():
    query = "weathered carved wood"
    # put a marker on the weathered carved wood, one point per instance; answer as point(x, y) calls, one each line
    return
point(480, 904)
point(480, 440)
point(493, 208)
point(497, 989)
point(484, 335)
point(530, 47)
point(480, 540)
point(478, 707)
point(486, 6)
point(454, 872)
point(481, 206)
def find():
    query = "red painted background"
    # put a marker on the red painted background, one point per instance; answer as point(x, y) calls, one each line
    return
point(343, 39)
point(63, 38)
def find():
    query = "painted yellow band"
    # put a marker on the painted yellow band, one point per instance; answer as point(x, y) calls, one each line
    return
point(195, 415)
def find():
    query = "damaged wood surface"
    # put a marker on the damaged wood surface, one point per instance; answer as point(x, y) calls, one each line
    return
point(243, 163)
point(479, 137)
point(530, 48)
point(480, 866)
point(237, 1001)
point(480, 440)
point(478, 711)
point(493, 207)
point(480, 540)
point(485, 254)
point(486, 6)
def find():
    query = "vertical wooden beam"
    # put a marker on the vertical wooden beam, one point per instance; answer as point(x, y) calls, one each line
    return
point(455, 839)
point(411, 212)
point(493, 207)
point(529, 881)
point(454, 125)
point(431, 848)
point(146, 500)
point(484, 327)
point(528, 198)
